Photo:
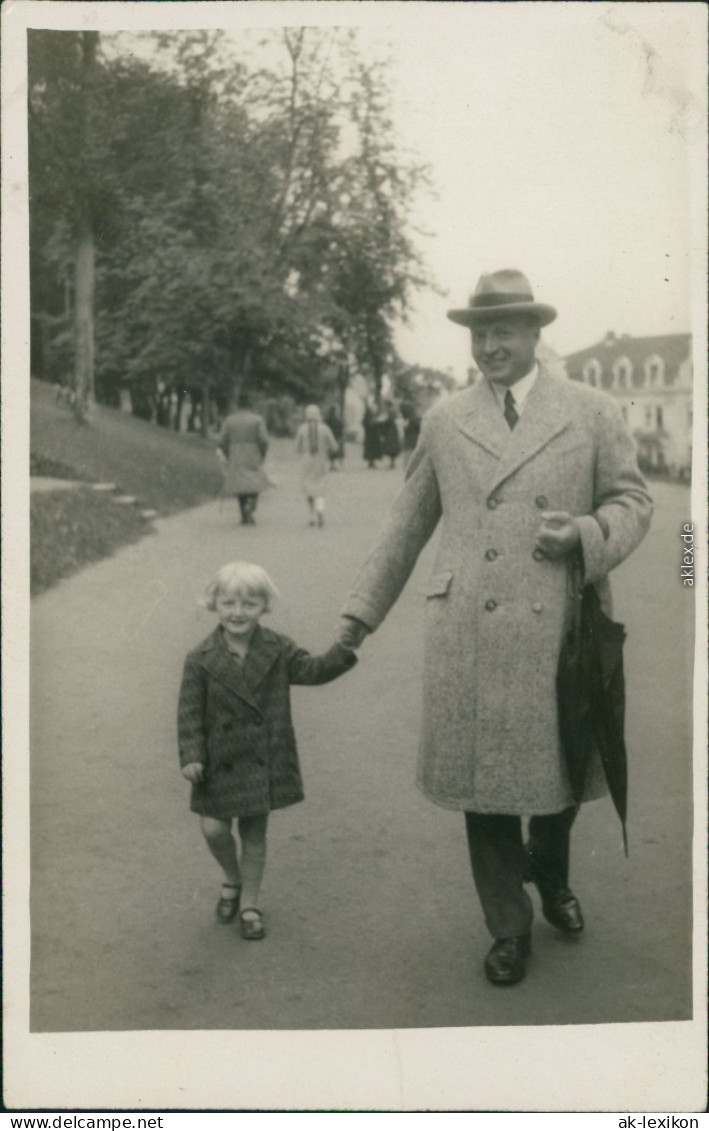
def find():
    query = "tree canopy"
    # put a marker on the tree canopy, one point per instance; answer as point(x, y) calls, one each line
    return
point(234, 214)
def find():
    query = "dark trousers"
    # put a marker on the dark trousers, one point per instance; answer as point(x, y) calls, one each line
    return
point(247, 506)
point(501, 864)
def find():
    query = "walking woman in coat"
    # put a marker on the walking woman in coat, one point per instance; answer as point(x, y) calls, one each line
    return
point(389, 435)
point(315, 443)
point(372, 449)
point(243, 442)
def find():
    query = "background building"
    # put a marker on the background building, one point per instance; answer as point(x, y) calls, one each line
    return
point(651, 378)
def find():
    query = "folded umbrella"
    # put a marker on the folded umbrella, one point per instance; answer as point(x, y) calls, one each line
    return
point(591, 698)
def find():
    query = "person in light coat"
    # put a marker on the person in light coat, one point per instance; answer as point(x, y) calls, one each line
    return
point(525, 471)
point(314, 443)
point(243, 443)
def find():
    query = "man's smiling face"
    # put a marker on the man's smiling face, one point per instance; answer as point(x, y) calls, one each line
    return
point(504, 347)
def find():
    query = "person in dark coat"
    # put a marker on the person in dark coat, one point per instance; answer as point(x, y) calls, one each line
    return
point(334, 423)
point(372, 449)
point(389, 435)
point(412, 429)
point(235, 731)
point(524, 471)
point(243, 442)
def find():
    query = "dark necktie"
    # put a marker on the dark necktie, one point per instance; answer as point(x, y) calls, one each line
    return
point(511, 414)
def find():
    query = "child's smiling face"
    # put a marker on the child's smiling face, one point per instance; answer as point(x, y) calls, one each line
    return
point(239, 612)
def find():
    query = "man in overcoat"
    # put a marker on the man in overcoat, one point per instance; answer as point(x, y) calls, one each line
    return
point(526, 471)
point(243, 442)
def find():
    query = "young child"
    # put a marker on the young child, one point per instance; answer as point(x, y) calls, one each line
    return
point(236, 740)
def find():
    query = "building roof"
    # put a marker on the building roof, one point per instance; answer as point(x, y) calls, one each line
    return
point(672, 348)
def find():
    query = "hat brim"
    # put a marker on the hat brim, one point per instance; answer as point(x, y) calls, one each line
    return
point(471, 315)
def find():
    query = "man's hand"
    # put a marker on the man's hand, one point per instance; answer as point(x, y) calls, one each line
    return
point(351, 632)
point(558, 534)
point(194, 772)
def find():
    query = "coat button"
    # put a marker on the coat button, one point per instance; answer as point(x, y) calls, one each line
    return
point(491, 555)
point(492, 503)
point(538, 555)
point(537, 607)
point(490, 604)
point(542, 502)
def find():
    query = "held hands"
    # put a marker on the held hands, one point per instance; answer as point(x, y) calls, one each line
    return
point(194, 772)
point(558, 534)
point(351, 632)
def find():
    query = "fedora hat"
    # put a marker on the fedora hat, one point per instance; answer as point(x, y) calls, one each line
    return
point(502, 292)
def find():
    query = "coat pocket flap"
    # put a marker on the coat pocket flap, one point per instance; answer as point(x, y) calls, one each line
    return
point(439, 584)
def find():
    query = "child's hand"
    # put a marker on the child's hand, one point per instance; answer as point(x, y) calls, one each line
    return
point(351, 632)
point(194, 772)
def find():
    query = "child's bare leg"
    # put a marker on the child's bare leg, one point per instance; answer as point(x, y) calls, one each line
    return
point(252, 831)
point(222, 845)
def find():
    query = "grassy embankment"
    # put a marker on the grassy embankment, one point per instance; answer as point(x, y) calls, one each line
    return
point(165, 471)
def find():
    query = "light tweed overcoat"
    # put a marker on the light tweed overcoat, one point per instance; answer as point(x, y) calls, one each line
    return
point(244, 441)
point(496, 607)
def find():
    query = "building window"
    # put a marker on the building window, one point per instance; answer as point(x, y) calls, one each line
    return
point(648, 417)
point(592, 372)
point(622, 373)
point(658, 418)
point(654, 372)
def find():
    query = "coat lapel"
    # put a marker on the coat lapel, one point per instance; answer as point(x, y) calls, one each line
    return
point(545, 415)
point(261, 656)
point(241, 678)
point(482, 421)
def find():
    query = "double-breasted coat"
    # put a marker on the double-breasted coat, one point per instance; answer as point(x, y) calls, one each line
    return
point(244, 441)
point(235, 718)
point(496, 606)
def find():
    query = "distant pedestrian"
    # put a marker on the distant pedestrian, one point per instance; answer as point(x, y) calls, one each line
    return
point(389, 435)
point(236, 740)
point(412, 428)
point(243, 440)
point(334, 423)
point(372, 450)
point(314, 442)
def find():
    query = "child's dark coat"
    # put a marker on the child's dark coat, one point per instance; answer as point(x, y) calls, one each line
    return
point(236, 719)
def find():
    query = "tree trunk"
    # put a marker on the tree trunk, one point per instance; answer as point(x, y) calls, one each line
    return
point(84, 317)
point(85, 251)
point(206, 409)
point(178, 409)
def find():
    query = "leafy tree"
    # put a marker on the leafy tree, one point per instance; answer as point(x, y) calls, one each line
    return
point(245, 205)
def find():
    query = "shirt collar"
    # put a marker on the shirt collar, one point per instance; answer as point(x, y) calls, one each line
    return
point(520, 390)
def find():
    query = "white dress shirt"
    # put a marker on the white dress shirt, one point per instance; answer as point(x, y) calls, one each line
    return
point(520, 390)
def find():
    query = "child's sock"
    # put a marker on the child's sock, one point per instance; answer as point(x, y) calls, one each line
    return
point(253, 863)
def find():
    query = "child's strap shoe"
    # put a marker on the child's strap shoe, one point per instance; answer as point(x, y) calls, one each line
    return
point(228, 906)
point(252, 928)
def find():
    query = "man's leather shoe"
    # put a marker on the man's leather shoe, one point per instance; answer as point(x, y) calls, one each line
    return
point(505, 963)
point(562, 909)
point(560, 906)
